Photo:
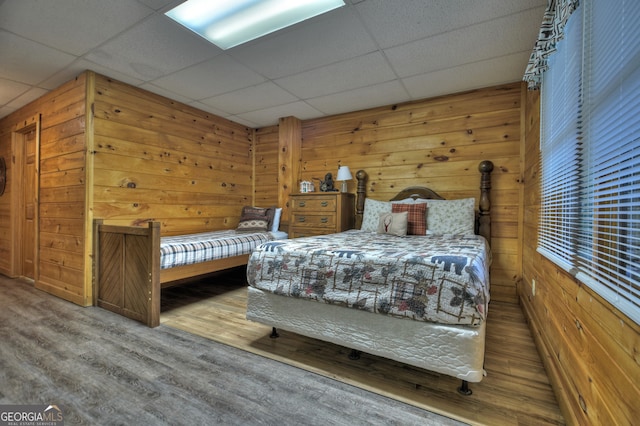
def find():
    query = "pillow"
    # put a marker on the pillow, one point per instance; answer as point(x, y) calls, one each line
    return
point(393, 224)
point(451, 216)
point(275, 226)
point(255, 219)
point(416, 218)
point(410, 201)
point(253, 225)
point(371, 216)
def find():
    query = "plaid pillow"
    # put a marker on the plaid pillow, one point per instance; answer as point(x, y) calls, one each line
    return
point(416, 217)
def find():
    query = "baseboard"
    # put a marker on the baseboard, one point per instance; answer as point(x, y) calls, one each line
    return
point(556, 376)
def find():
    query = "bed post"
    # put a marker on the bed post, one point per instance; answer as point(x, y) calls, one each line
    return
point(361, 191)
point(484, 220)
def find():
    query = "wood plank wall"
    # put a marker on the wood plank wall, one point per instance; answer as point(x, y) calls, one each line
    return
point(591, 351)
point(62, 189)
point(436, 143)
point(265, 149)
point(112, 151)
point(158, 159)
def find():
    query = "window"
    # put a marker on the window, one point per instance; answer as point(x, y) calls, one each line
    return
point(590, 152)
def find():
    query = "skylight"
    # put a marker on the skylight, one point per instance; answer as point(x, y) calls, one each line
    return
point(228, 23)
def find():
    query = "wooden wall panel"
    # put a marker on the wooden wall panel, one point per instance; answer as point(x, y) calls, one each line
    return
point(157, 159)
point(436, 143)
point(591, 351)
point(266, 180)
point(62, 187)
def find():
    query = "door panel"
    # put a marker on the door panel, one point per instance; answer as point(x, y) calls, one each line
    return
point(28, 237)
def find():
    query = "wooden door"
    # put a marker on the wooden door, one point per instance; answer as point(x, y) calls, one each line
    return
point(29, 206)
point(24, 198)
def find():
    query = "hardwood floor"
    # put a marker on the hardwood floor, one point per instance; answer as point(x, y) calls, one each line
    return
point(516, 390)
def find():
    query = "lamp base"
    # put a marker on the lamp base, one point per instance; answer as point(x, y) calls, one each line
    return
point(344, 186)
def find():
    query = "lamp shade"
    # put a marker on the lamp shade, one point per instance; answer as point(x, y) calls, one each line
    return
point(344, 174)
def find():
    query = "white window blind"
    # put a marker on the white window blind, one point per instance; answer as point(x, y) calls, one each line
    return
point(590, 147)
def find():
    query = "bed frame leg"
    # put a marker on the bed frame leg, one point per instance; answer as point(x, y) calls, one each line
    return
point(274, 333)
point(464, 388)
point(354, 355)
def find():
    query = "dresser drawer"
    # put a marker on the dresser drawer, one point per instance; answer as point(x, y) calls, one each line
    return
point(313, 220)
point(314, 204)
point(296, 232)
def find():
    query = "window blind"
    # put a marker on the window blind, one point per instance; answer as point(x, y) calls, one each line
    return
point(560, 148)
point(590, 215)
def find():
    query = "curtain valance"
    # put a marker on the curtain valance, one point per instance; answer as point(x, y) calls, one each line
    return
point(551, 31)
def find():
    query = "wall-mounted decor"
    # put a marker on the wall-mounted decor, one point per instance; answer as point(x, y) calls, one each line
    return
point(3, 175)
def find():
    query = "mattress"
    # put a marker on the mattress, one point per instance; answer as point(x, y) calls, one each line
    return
point(455, 350)
point(431, 278)
point(195, 248)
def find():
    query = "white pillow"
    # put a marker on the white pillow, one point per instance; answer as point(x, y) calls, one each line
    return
point(393, 223)
point(451, 216)
point(275, 226)
point(371, 216)
point(410, 201)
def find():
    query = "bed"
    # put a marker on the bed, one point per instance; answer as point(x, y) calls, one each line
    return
point(131, 264)
point(421, 299)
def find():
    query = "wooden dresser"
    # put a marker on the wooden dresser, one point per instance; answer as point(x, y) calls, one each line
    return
point(318, 213)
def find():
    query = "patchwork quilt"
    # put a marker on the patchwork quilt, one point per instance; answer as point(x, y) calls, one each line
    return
point(435, 278)
point(194, 248)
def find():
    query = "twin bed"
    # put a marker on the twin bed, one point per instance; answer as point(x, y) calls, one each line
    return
point(413, 292)
point(132, 264)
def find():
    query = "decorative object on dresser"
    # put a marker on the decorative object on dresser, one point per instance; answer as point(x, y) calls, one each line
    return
point(326, 185)
point(344, 174)
point(321, 213)
point(306, 186)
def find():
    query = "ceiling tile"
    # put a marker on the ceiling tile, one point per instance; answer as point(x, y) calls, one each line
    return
point(209, 108)
point(251, 98)
point(335, 37)
point(469, 45)
point(363, 98)
point(28, 96)
point(72, 26)
point(350, 74)
point(467, 77)
point(264, 117)
point(28, 62)
point(156, 47)
point(219, 75)
point(10, 90)
point(392, 25)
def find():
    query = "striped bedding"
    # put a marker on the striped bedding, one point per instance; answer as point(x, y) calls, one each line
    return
point(195, 248)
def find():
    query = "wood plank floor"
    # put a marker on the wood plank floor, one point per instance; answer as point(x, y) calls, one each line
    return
point(516, 390)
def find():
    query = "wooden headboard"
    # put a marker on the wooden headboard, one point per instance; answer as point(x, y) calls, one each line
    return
point(483, 216)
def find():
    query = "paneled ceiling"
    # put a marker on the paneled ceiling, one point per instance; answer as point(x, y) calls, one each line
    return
point(366, 54)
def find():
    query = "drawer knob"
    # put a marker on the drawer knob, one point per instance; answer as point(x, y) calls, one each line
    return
point(324, 220)
point(301, 204)
point(301, 218)
point(324, 203)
